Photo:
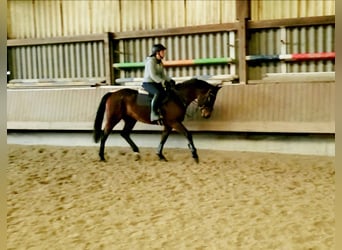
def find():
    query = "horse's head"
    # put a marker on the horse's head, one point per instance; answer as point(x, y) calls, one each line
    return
point(201, 90)
point(206, 101)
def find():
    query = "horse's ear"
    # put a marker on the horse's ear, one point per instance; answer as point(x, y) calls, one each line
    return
point(218, 86)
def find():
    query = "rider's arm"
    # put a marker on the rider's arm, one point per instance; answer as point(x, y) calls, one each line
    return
point(156, 72)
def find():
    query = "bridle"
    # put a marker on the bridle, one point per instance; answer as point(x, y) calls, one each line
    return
point(209, 101)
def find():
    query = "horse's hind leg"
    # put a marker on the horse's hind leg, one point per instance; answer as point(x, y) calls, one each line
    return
point(125, 133)
point(102, 146)
point(164, 136)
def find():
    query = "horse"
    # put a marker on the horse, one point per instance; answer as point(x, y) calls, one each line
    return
point(124, 105)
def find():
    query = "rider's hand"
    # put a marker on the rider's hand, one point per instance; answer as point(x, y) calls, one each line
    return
point(170, 84)
point(164, 83)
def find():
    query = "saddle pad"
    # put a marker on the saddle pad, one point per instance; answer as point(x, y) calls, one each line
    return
point(142, 91)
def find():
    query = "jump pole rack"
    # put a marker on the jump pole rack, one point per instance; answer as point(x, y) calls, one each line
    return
point(226, 60)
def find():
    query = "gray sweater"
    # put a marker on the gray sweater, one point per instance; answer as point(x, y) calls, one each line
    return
point(154, 72)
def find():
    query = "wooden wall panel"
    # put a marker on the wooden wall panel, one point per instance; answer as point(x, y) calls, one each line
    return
point(283, 107)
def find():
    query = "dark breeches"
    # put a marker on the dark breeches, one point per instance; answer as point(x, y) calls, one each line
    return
point(157, 91)
point(153, 88)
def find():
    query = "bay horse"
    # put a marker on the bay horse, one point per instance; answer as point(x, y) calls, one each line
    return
point(124, 105)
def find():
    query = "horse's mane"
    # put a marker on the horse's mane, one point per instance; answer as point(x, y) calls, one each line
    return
point(193, 82)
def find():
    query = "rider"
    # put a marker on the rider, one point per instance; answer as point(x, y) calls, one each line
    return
point(155, 79)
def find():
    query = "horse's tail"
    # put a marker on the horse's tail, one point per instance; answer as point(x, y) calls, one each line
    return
point(99, 117)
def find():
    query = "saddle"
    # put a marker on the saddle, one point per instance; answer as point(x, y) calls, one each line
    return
point(144, 98)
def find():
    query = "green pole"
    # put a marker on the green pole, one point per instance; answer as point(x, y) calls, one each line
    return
point(202, 61)
point(220, 60)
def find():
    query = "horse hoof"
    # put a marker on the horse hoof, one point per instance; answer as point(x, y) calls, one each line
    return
point(196, 160)
point(161, 157)
point(136, 156)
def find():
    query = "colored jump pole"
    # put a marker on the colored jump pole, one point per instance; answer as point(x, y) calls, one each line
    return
point(179, 79)
point(228, 60)
point(293, 57)
point(178, 63)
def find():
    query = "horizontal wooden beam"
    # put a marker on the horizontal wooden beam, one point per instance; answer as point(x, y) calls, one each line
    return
point(56, 40)
point(291, 22)
point(198, 29)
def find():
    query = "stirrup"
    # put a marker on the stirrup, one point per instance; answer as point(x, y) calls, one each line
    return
point(156, 118)
point(160, 121)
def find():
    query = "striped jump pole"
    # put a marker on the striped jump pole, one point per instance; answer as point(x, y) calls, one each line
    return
point(228, 60)
point(178, 63)
point(180, 79)
point(293, 57)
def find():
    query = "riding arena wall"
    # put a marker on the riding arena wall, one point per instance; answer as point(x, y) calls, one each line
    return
point(275, 60)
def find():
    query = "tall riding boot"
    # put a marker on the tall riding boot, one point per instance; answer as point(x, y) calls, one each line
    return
point(154, 108)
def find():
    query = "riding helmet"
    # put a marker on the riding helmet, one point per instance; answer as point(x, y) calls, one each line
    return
point(157, 47)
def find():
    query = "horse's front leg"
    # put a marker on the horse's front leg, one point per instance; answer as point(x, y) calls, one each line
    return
point(125, 133)
point(165, 134)
point(182, 129)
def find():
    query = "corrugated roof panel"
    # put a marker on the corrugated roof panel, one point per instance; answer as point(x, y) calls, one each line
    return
point(48, 20)
point(136, 15)
point(105, 16)
point(168, 14)
point(76, 17)
point(20, 19)
point(329, 7)
point(289, 9)
point(203, 12)
point(317, 7)
point(266, 9)
point(228, 13)
point(69, 27)
point(66, 18)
